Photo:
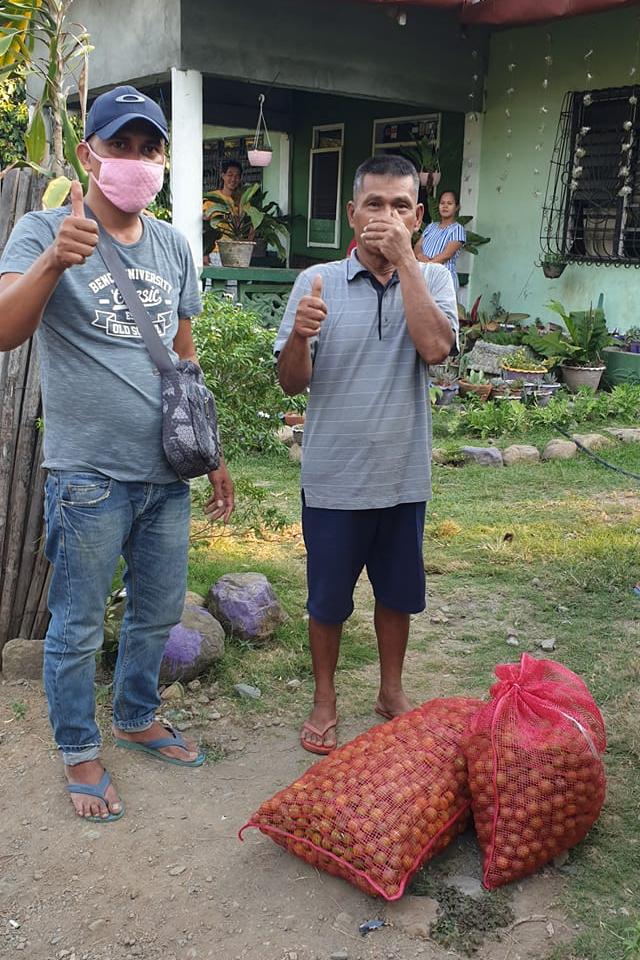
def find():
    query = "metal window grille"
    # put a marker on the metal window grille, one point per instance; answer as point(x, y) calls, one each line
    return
point(591, 212)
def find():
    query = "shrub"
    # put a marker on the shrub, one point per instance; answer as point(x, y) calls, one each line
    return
point(236, 356)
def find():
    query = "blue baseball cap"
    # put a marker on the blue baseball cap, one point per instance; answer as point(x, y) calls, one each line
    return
point(112, 110)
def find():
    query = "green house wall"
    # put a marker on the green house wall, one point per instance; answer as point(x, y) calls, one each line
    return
point(512, 215)
point(358, 116)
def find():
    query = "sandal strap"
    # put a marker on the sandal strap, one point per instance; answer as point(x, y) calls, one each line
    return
point(175, 740)
point(98, 790)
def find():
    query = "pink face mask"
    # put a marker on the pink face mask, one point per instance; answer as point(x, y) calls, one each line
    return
point(130, 185)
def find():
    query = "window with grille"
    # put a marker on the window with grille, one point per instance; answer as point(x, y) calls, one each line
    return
point(591, 212)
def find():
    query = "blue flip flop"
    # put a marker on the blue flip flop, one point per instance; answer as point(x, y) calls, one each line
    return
point(99, 791)
point(153, 748)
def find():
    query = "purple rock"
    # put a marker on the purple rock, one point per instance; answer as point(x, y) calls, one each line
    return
point(246, 606)
point(193, 646)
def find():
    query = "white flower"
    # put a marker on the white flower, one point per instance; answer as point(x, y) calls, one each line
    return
point(576, 172)
point(633, 100)
point(627, 125)
point(580, 152)
point(624, 172)
point(625, 191)
point(574, 185)
point(587, 99)
point(584, 130)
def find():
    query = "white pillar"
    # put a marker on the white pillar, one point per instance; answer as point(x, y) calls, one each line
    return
point(470, 190)
point(186, 156)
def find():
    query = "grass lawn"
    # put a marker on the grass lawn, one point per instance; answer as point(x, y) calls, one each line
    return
point(538, 551)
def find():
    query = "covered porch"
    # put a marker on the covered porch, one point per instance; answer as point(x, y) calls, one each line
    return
point(342, 80)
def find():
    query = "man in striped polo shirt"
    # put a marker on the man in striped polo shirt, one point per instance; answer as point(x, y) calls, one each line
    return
point(359, 333)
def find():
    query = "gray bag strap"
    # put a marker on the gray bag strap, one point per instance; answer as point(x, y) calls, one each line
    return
point(152, 341)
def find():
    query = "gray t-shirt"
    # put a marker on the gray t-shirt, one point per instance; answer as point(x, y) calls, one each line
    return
point(367, 434)
point(100, 389)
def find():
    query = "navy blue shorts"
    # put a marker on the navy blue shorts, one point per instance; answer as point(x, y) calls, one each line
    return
point(340, 543)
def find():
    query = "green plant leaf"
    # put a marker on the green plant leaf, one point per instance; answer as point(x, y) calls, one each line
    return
point(70, 141)
point(35, 138)
point(56, 193)
point(6, 41)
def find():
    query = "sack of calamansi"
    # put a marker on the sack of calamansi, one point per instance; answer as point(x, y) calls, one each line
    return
point(535, 770)
point(379, 807)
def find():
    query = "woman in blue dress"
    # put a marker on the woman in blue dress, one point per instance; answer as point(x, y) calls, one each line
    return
point(442, 240)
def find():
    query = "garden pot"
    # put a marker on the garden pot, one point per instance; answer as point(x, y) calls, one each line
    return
point(429, 178)
point(260, 248)
point(292, 419)
point(481, 390)
point(235, 253)
point(259, 158)
point(576, 377)
point(553, 270)
point(620, 366)
point(529, 376)
point(634, 346)
point(448, 394)
point(503, 393)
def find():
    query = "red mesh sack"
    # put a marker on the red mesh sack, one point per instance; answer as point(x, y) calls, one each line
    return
point(535, 771)
point(377, 808)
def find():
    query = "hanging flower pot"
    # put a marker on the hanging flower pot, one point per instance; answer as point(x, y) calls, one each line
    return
point(552, 270)
point(429, 178)
point(260, 158)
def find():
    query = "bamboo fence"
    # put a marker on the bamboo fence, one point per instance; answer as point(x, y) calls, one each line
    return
point(24, 570)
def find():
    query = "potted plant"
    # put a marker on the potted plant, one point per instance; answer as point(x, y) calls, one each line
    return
point(424, 156)
point(447, 388)
point(553, 265)
point(273, 229)
point(577, 347)
point(622, 358)
point(519, 366)
point(632, 339)
point(502, 389)
point(235, 228)
point(475, 382)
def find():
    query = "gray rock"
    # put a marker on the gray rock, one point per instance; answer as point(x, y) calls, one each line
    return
point(559, 450)
point(246, 690)
point(22, 659)
point(487, 356)
point(469, 886)
point(285, 435)
point(413, 915)
point(520, 453)
point(547, 645)
point(438, 455)
point(513, 641)
point(295, 452)
point(195, 598)
point(174, 691)
point(246, 606)
point(339, 955)
point(483, 456)
point(193, 646)
point(593, 441)
point(626, 434)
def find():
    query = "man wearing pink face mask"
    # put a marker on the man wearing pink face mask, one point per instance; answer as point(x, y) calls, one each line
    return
point(110, 491)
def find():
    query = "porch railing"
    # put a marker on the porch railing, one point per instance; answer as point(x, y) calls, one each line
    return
point(265, 290)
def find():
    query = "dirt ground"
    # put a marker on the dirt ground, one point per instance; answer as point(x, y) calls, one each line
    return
point(171, 879)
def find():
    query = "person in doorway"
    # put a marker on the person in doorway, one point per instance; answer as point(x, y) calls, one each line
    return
point(442, 240)
point(110, 491)
point(359, 334)
point(230, 191)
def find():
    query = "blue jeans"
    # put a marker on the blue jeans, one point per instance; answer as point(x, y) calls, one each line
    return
point(92, 521)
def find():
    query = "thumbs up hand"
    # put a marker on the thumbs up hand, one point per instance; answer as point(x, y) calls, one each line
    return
point(311, 312)
point(77, 236)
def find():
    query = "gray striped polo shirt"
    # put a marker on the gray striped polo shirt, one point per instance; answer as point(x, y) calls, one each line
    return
point(367, 434)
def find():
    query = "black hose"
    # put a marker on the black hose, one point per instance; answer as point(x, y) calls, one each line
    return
point(594, 456)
